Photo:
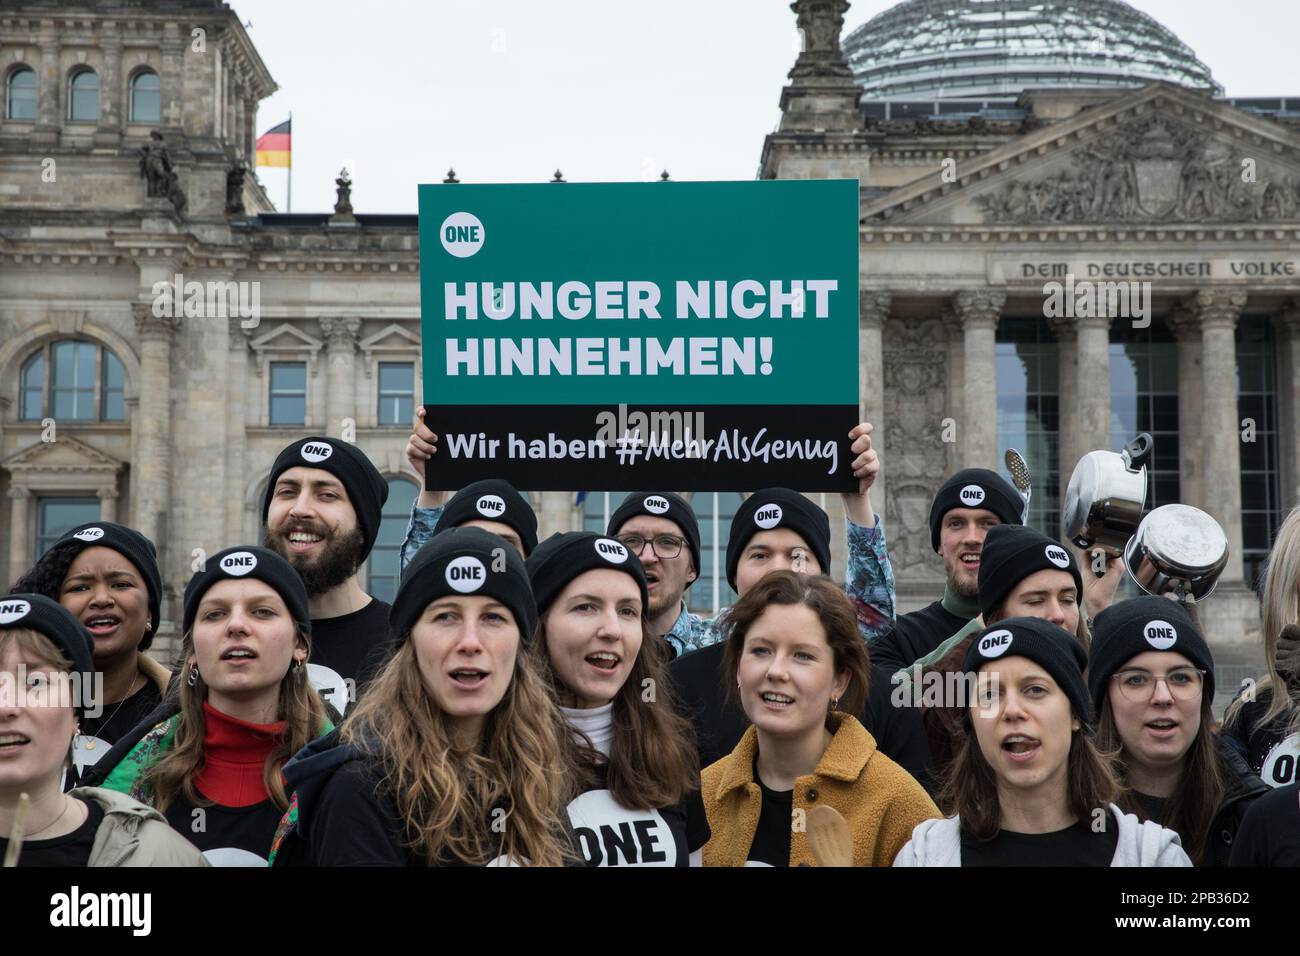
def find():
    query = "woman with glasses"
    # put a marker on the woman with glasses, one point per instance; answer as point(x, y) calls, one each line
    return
point(1151, 678)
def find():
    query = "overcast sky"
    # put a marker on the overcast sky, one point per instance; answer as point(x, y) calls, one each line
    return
point(510, 90)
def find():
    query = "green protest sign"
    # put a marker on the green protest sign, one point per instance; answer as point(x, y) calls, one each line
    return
point(560, 319)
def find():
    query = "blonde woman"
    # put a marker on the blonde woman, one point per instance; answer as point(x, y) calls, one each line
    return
point(454, 756)
point(245, 707)
point(1265, 726)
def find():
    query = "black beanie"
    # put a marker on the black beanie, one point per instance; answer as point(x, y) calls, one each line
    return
point(249, 561)
point(36, 612)
point(975, 488)
point(1055, 650)
point(1010, 554)
point(133, 546)
point(491, 500)
point(660, 504)
point(562, 557)
point(771, 508)
point(464, 561)
point(1128, 628)
point(367, 490)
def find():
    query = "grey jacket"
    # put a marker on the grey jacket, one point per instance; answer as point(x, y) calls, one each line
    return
point(938, 843)
point(133, 834)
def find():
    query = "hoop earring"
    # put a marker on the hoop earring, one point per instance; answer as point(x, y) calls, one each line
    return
point(193, 677)
point(297, 668)
point(835, 703)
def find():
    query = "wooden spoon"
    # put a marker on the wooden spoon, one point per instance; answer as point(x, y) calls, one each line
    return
point(829, 837)
point(16, 833)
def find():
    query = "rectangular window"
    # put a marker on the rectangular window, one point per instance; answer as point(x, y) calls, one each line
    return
point(383, 576)
point(1028, 414)
point(1144, 398)
point(396, 393)
point(74, 381)
point(112, 400)
point(288, 393)
point(1257, 416)
point(55, 517)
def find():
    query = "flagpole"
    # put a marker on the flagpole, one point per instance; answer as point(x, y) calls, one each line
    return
point(288, 199)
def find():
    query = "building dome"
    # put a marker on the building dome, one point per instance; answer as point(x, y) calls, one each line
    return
point(957, 49)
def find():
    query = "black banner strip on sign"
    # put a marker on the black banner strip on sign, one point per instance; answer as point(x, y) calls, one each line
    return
point(604, 448)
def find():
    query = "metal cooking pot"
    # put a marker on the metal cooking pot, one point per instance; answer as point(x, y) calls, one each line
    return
point(1104, 500)
point(1179, 549)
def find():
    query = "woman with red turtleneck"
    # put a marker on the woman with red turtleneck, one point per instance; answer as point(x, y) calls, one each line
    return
point(245, 706)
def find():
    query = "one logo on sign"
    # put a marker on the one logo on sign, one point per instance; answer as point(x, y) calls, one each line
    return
point(611, 550)
point(1160, 635)
point(239, 563)
point(971, 495)
point(462, 234)
point(491, 506)
point(1057, 556)
point(768, 516)
point(316, 451)
point(89, 534)
point(656, 505)
point(466, 574)
point(995, 643)
point(11, 611)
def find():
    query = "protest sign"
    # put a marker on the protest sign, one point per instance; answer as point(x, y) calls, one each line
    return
point(612, 335)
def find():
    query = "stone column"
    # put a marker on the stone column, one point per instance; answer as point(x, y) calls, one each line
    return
point(1218, 310)
point(113, 108)
point(978, 311)
point(1067, 402)
point(172, 75)
point(340, 378)
point(558, 514)
point(1092, 382)
point(1287, 325)
point(238, 406)
point(153, 468)
point(954, 396)
point(50, 91)
point(1186, 326)
point(107, 503)
point(20, 546)
point(873, 311)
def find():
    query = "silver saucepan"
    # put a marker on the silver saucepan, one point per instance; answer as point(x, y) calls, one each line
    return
point(1104, 500)
point(1179, 549)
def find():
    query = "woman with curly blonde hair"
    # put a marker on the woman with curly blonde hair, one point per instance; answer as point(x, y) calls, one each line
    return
point(455, 756)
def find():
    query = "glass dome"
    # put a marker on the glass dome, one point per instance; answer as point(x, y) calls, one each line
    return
point(954, 49)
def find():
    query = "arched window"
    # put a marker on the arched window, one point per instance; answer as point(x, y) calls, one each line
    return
point(392, 529)
point(21, 95)
point(83, 96)
point(72, 380)
point(146, 97)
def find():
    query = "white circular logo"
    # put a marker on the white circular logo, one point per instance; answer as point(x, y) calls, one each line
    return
point(768, 516)
point(995, 643)
point(239, 563)
point(317, 451)
point(89, 534)
point(1057, 556)
point(1160, 635)
point(491, 506)
point(971, 495)
point(1281, 766)
point(13, 610)
point(461, 234)
point(611, 550)
point(466, 574)
point(656, 505)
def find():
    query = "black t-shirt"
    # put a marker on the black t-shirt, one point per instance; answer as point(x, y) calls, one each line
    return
point(610, 834)
point(71, 849)
point(347, 651)
point(1270, 751)
point(914, 635)
point(719, 723)
point(771, 846)
point(1077, 845)
point(1153, 806)
point(1269, 834)
point(228, 836)
point(120, 717)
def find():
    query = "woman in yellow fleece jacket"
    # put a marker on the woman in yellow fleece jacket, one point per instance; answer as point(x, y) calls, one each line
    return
point(800, 671)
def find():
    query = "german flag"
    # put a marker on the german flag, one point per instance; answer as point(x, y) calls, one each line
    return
point(273, 146)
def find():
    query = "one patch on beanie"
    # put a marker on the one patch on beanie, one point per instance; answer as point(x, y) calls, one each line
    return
point(611, 550)
point(1057, 555)
point(315, 451)
point(1160, 634)
point(656, 505)
point(491, 506)
point(239, 563)
point(89, 534)
point(466, 574)
point(971, 495)
point(13, 610)
point(995, 643)
point(768, 516)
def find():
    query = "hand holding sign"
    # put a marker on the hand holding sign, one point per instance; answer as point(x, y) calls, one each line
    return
point(420, 447)
point(866, 467)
